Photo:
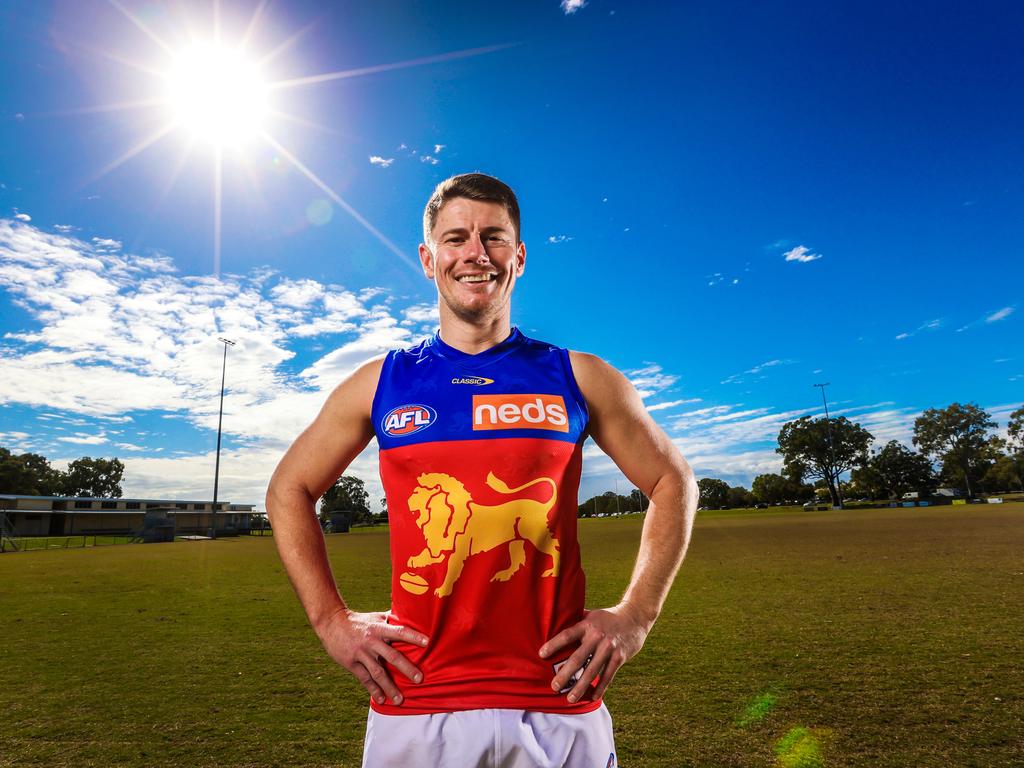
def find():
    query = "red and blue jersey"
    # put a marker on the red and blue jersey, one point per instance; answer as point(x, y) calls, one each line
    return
point(480, 457)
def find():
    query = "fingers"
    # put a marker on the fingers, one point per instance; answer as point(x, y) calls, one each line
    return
point(399, 661)
point(606, 677)
point(567, 671)
point(566, 637)
point(362, 644)
point(587, 675)
point(362, 674)
point(392, 632)
point(379, 677)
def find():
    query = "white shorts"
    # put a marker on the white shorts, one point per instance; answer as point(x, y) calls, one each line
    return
point(490, 738)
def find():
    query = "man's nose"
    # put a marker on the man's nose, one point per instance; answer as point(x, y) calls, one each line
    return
point(477, 251)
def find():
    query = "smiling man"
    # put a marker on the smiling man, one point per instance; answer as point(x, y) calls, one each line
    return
point(487, 655)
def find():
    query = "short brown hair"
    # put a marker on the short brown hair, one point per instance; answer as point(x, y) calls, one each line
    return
point(473, 186)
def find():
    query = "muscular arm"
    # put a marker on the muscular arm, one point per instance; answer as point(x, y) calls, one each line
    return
point(311, 465)
point(624, 430)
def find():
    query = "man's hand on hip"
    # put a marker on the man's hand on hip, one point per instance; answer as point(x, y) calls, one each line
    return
point(359, 641)
point(607, 639)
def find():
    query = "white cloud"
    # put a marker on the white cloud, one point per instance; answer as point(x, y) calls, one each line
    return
point(81, 439)
point(802, 254)
point(672, 404)
point(651, 379)
point(421, 314)
point(64, 228)
point(297, 293)
point(22, 217)
point(929, 325)
point(114, 333)
point(769, 364)
point(382, 162)
point(1001, 314)
point(106, 243)
point(717, 278)
point(429, 159)
point(571, 6)
point(559, 238)
point(438, 148)
point(757, 370)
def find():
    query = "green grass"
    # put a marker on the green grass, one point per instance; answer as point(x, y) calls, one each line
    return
point(887, 637)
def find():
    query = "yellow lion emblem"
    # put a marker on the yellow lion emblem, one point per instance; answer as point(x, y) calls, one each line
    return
point(456, 527)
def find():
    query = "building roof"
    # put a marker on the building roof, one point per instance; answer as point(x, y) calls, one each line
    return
point(108, 498)
point(148, 502)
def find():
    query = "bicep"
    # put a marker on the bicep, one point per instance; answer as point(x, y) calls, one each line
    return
point(622, 427)
point(341, 430)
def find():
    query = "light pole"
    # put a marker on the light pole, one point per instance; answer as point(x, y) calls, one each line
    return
point(220, 420)
point(831, 446)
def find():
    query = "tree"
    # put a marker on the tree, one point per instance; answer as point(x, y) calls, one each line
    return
point(98, 478)
point(714, 493)
point(1005, 474)
point(28, 474)
point(895, 470)
point(738, 497)
point(958, 437)
point(348, 494)
point(1015, 429)
point(1015, 447)
point(807, 451)
point(637, 501)
point(775, 489)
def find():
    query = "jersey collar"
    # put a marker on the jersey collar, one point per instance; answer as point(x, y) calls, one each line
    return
point(498, 351)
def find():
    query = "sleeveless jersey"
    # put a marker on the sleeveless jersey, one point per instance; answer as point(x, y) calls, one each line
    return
point(480, 458)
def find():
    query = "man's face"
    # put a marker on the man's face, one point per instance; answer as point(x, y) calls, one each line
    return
point(475, 259)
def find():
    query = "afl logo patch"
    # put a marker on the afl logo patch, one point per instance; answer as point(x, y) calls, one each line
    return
point(406, 419)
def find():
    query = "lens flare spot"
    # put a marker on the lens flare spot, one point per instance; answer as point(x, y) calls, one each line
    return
point(758, 709)
point(800, 748)
point(319, 212)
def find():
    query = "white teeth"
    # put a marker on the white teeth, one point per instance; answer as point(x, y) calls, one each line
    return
point(475, 278)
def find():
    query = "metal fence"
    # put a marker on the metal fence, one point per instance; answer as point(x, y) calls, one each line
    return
point(37, 543)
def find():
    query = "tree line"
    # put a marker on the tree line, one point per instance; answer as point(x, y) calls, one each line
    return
point(30, 474)
point(956, 449)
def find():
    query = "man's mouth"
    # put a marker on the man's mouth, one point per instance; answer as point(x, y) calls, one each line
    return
point(476, 278)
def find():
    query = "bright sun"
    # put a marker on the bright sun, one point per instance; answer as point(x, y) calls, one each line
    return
point(220, 97)
point(217, 95)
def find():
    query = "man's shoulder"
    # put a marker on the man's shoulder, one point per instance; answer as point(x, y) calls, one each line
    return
point(595, 377)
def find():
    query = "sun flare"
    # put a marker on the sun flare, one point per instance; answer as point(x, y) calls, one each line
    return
point(221, 97)
point(217, 95)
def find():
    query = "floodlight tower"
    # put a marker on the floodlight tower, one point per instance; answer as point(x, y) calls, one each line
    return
point(831, 445)
point(220, 420)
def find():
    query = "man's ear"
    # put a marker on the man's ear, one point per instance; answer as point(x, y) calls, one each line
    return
point(427, 261)
point(520, 259)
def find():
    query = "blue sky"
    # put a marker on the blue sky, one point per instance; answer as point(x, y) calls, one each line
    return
point(728, 202)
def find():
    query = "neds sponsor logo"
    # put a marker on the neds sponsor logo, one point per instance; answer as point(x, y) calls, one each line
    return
point(520, 412)
point(406, 419)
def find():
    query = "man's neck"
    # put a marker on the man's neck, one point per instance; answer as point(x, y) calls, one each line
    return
point(475, 337)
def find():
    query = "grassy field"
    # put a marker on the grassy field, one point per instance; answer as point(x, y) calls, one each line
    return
point(887, 637)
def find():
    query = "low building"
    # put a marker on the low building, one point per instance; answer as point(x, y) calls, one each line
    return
point(73, 515)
